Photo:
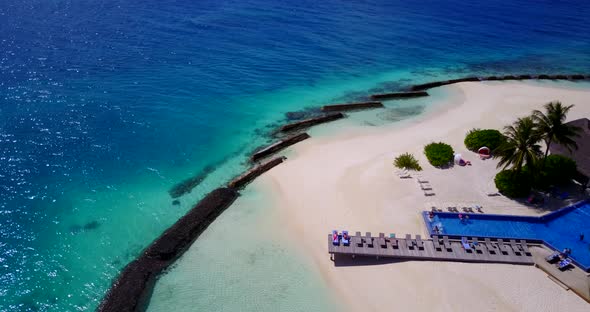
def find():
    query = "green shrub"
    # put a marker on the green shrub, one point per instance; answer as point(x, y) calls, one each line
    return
point(439, 154)
point(512, 183)
point(477, 138)
point(557, 170)
point(407, 161)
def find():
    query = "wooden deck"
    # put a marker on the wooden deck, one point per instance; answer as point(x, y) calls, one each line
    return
point(435, 249)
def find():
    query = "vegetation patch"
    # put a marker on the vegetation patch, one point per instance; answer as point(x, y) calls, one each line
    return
point(512, 183)
point(439, 154)
point(556, 170)
point(477, 138)
point(407, 161)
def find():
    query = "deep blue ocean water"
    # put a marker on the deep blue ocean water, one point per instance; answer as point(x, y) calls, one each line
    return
point(105, 105)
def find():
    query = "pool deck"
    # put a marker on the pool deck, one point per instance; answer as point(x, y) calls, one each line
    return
point(435, 249)
point(574, 279)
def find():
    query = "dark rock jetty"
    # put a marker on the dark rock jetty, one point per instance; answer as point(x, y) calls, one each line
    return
point(311, 122)
point(251, 174)
point(435, 84)
point(399, 95)
point(275, 147)
point(351, 106)
point(132, 289)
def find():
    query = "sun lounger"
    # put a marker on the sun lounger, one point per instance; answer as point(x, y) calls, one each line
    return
point(503, 248)
point(425, 185)
point(369, 240)
point(475, 244)
point(525, 248)
point(394, 243)
point(357, 240)
point(382, 242)
point(335, 238)
point(492, 249)
point(447, 244)
point(404, 174)
point(429, 193)
point(345, 238)
point(478, 208)
point(466, 245)
point(552, 258)
point(419, 242)
point(436, 243)
point(410, 242)
point(421, 179)
point(564, 264)
point(515, 248)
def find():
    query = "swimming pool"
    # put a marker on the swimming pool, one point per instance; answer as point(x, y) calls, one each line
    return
point(560, 229)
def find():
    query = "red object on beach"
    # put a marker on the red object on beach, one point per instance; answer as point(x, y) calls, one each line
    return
point(484, 152)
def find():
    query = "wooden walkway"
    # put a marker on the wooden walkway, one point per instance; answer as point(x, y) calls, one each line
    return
point(435, 249)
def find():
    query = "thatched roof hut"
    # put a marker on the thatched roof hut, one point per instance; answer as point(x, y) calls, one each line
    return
point(582, 154)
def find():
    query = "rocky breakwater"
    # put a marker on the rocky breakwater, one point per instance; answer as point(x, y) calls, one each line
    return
point(133, 287)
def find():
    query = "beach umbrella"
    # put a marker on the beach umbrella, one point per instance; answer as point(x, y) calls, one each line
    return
point(458, 159)
point(483, 150)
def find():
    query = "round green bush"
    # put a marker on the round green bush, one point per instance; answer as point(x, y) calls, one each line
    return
point(477, 138)
point(407, 161)
point(439, 154)
point(512, 183)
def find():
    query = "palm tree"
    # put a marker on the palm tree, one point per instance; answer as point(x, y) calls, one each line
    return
point(552, 127)
point(521, 145)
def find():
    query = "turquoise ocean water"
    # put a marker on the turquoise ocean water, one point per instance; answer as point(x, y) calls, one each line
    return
point(105, 105)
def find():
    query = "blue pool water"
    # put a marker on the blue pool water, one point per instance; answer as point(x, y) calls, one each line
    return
point(561, 229)
point(107, 104)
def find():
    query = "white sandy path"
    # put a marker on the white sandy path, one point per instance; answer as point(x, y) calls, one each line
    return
point(346, 181)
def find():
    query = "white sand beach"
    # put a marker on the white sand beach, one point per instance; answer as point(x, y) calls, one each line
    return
point(347, 181)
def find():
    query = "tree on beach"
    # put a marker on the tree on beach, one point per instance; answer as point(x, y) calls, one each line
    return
point(521, 145)
point(553, 129)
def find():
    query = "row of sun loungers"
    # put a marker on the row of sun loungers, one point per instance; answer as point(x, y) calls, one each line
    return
point(425, 186)
point(474, 209)
point(476, 245)
point(499, 247)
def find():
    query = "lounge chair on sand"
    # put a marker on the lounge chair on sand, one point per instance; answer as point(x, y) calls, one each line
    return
point(466, 245)
point(404, 174)
point(335, 239)
point(345, 238)
point(552, 258)
point(564, 264)
point(425, 187)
